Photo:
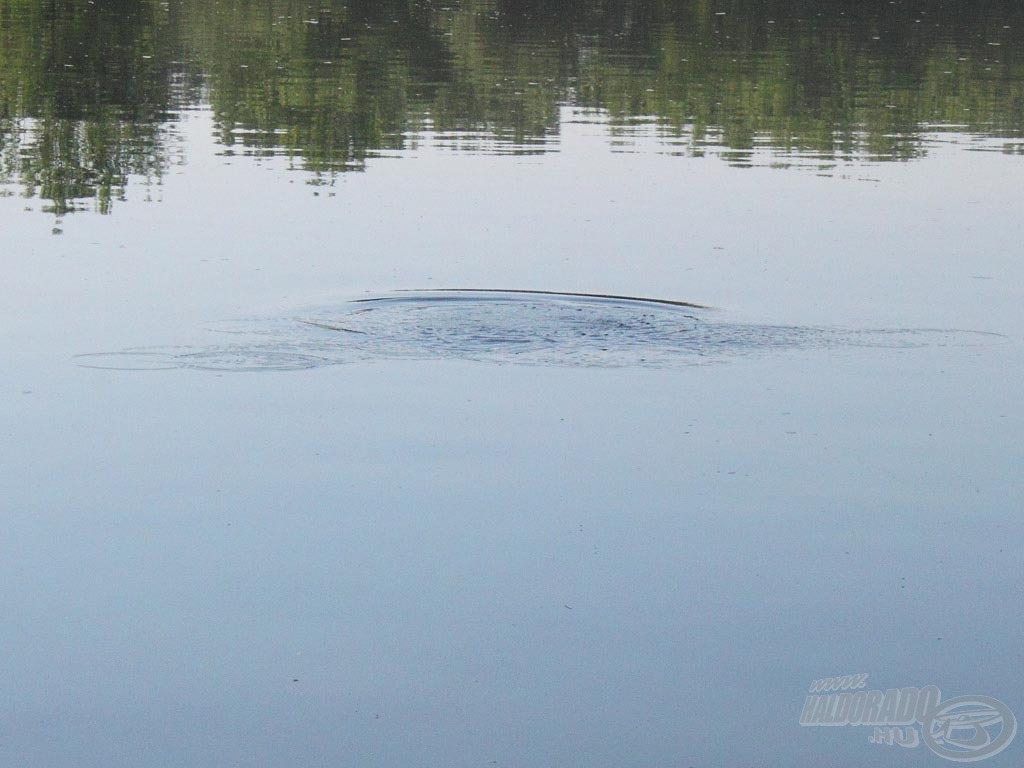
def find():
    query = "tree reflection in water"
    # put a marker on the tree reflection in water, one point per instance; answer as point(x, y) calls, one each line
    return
point(90, 92)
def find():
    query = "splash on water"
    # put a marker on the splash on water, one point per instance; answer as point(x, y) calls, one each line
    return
point(525, 327)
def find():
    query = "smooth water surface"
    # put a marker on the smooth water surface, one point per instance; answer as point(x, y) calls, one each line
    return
point(278, 490)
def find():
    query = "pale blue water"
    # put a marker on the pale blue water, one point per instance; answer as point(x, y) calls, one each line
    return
point(428, 554)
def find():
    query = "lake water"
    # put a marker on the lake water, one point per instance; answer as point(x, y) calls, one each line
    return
point(310, 460)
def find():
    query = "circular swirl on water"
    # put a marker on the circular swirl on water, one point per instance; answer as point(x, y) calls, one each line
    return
point(509, 327)
point(248, 359)
point(129, 360)
point(537, 328)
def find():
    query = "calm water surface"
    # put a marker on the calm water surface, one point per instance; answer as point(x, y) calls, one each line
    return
point(471, 529)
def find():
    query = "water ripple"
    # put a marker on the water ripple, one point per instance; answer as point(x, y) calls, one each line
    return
point(524, 327)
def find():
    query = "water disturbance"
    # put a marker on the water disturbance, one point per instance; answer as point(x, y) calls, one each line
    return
point(506, 326)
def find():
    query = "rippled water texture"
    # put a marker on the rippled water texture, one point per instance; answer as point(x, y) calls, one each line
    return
point(525, 327)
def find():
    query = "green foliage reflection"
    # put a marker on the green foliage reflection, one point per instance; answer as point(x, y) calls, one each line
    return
point(86, 92)
point(90, 89)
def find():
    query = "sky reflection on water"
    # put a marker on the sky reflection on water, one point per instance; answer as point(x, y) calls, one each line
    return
point(420, 559)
